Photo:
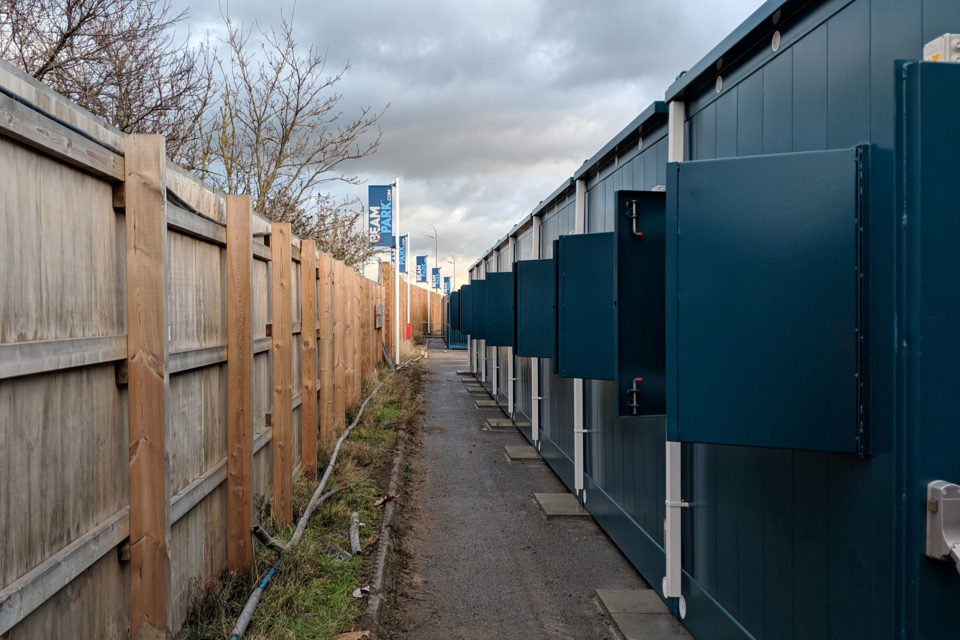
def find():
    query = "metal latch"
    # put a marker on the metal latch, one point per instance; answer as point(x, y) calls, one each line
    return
point(943, 521)
point(634, 392)
point(632, 215)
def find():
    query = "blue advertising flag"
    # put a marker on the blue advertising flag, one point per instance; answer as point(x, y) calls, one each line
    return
point(436, 277)
point(421, 268)
point(380, 220)
point(446, 285)
point(403, 254)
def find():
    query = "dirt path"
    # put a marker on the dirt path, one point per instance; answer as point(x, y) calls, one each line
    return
point(479, 559)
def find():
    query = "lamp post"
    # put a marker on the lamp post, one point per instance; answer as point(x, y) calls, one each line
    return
point(453, 286)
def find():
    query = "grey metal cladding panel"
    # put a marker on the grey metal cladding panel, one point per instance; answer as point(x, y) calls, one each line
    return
point(640, 296)
point(466, 309)
point(478, 322)
point(767, 301)
point(500, 316)
point(536, 308)
point(585, 307)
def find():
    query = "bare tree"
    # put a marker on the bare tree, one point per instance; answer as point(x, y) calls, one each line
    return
point(117, 58)
point(258, 114)
point(279, 134)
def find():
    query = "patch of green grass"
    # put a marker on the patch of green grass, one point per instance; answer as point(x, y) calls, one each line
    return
point(388, 412)
point(310, 598)
point(310, 595)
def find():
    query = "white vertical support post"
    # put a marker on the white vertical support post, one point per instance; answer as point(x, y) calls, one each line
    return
point(495, 369)
point(580, 225)
point(482, 344)
point(672, 582)
point(511, 375)
point(429, 295)
point(471, 349)
point(407, 276)
point(396, 271)
point(535, 362)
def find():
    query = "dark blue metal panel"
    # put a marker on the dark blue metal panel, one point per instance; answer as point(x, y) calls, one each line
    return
point(810, 91)
point(466, 309)
point(500, 314)
point(777, 104)
point(767, 301)
point(750, 115)
point(455, 337)
point(848, 84)
point(585, 307)
point(453, 313)
point(639, 288)
point(536, 308)
point(726, 127)
point(930, 307)
point(478, 322)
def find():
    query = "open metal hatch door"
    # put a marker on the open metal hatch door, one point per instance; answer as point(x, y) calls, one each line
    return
point(765, 286)
point(499, 309)
point(536, 308)
point(585, 307)
point(640, 334)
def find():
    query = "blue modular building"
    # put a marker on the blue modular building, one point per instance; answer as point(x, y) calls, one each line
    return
point(732, 332)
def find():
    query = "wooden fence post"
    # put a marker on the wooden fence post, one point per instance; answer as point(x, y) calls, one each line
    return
point(367, 322)
point(382, 333)
point(146, 234)
point(239, 383)
point(281, 320)
point(358, 337)
point(325, 270)
point(386, 286)
point(339, 343)
point(357, 324)
point(308, 357)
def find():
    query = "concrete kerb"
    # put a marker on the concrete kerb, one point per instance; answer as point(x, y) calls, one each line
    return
point(640, 613)
point(523, 454)
point(503, 425)
point(560, 506)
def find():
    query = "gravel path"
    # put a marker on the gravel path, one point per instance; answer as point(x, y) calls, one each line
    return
point(481, 561)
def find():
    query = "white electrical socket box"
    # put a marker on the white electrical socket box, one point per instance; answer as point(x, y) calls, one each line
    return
point(946, 48)
point(943, 521)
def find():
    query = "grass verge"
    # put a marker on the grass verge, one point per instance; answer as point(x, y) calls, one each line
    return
point(310, 595)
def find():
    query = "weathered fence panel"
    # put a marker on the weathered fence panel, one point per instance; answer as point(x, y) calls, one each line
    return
point(169, 361)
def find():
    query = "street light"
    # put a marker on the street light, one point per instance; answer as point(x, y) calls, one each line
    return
point(436, 243)
point(453, 287)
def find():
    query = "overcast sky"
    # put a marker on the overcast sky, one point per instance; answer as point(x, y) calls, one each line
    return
point(493, 104)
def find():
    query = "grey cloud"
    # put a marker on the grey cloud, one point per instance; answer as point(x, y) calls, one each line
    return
point(494, 104)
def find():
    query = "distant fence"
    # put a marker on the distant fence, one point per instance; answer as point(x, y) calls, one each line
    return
point(168, 360)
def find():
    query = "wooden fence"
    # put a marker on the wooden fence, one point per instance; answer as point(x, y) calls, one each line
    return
point(169, 362)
